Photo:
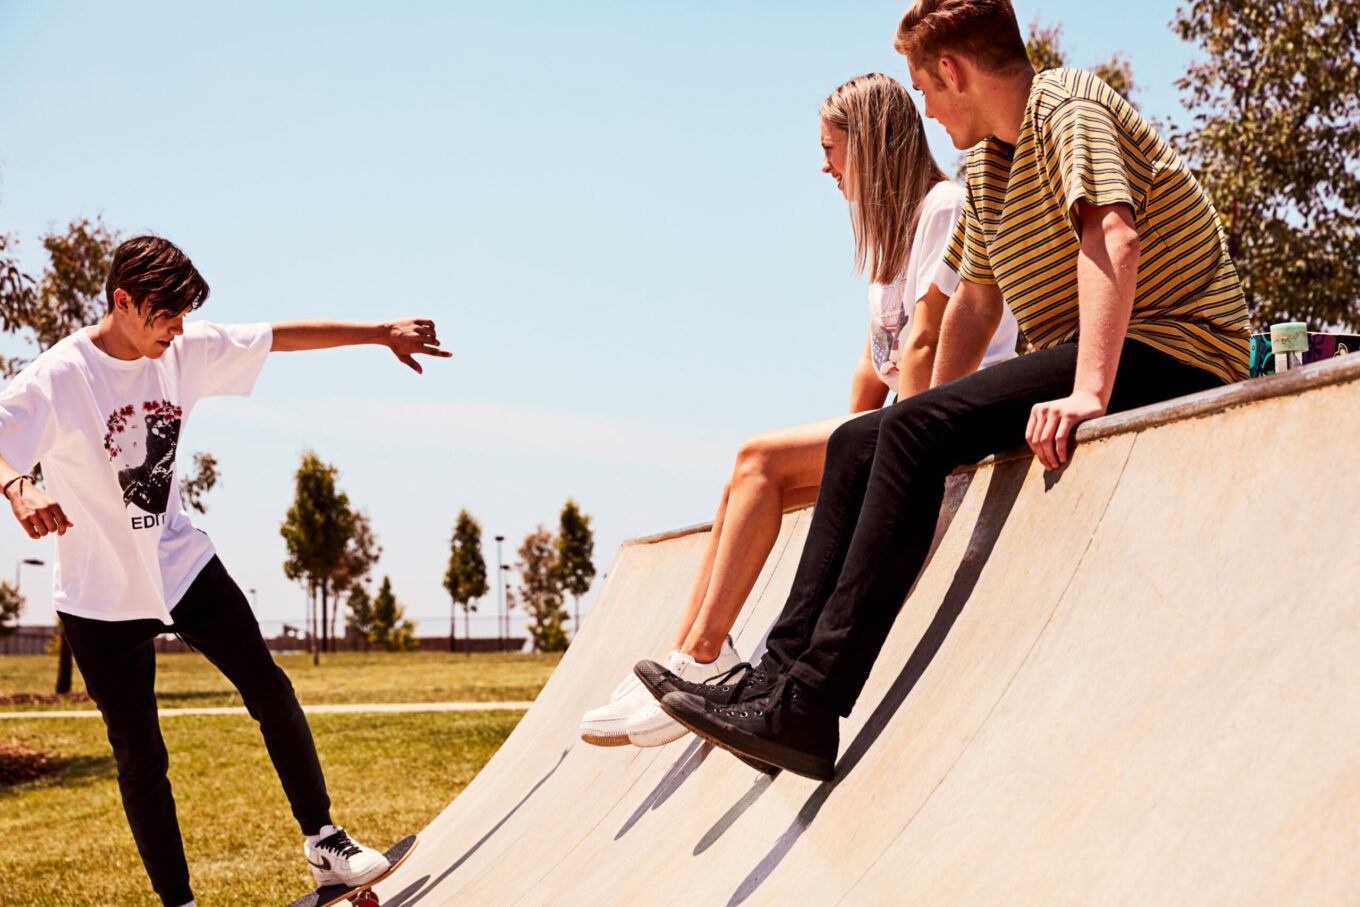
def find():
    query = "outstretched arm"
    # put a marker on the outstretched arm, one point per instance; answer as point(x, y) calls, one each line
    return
point(405, 337)
point(34, 510)
point(1107, 277)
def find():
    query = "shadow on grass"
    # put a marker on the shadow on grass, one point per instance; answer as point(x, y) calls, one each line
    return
point(67, 772)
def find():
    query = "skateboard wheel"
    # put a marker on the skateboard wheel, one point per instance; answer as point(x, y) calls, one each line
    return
point(366, 899)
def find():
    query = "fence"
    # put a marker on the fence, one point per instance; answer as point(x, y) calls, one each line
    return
point(27, 641)
point(37, 640)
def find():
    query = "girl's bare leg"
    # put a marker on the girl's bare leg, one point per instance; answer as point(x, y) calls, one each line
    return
point(774, 472)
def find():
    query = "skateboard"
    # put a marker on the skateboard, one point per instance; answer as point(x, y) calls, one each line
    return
point(363, 895)
point(1320, 347)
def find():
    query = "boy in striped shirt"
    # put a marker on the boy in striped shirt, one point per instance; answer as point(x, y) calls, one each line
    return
point(1110, 255)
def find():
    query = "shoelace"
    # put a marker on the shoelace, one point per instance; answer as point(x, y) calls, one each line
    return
point(720, 679)
point(758, 707)
point(339, 843)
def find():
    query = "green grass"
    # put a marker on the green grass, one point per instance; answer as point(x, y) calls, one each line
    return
point(190, 680)
point(64, 839)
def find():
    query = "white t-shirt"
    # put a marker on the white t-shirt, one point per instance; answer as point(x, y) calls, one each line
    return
point(891, 307)
point(106, 432)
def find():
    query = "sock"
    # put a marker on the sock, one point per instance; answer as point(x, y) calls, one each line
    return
point(325, 832)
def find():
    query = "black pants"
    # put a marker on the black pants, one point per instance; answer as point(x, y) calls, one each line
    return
point(882, 488)
point(118, 662)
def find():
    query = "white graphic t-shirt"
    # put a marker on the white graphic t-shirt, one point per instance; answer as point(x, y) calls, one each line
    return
point(891, 307)
point(106, 432)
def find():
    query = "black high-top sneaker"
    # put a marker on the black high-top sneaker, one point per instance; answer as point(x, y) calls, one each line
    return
point(743, 681)
point(792, 728)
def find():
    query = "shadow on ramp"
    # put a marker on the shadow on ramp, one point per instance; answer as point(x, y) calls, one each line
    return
point(996, 506)
point(414, 892)
point(689, 761)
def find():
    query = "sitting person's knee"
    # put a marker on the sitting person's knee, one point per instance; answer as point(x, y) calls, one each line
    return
point(755, 460)
point(851, 435)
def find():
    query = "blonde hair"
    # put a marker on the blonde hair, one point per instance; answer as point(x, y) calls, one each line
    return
point(890, 166)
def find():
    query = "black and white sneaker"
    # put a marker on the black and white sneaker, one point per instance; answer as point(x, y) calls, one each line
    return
point(338, 860)
point(742, 681)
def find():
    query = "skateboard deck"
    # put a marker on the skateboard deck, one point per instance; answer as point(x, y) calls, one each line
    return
point(1320, 347)
point(363, 895)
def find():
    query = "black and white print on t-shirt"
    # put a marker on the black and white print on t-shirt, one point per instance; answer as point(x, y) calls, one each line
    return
point(144, 453)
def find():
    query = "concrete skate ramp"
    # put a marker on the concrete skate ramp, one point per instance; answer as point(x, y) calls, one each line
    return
point(1133, 682)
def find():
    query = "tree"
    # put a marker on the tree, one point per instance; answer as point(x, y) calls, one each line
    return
point(362, 552)
point(509, 606)
point(1045, 52)
point(359, 622)
point(541, 591)
point(465, 579)
point(11, 605)
point(1276, 142)
point(68, 295)
point(193, 486)
point(64, 297)
point(575, 547)
point(317, 529)
point(389, 631)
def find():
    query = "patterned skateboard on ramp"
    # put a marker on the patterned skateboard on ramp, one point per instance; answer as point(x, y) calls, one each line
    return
point(1320, 347)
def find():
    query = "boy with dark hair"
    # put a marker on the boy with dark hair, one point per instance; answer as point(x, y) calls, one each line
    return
point(1110, 255)
point(103, 410)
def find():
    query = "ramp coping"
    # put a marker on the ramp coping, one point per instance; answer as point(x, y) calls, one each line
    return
point(1338, 370)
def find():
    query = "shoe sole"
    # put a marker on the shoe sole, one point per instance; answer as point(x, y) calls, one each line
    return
point(675, 733)
point(658, 737)
point(619, 739)
point(754, 748)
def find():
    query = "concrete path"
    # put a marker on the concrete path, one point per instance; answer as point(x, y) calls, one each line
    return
point(309, 709)
point(1132, 682)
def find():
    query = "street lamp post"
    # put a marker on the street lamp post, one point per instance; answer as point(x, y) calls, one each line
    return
point(18, 566)
point(31, 561)
point(500, 600)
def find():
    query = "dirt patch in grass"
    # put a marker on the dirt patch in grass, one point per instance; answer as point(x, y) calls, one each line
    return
point(43, 698)
point(19, 763)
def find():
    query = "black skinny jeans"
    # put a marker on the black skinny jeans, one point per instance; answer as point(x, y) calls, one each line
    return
point(118, 661)
point(882, 488)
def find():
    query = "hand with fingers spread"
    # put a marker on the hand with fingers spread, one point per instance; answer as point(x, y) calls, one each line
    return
point(414, 335)
point(1052, 424)
point(35, 511)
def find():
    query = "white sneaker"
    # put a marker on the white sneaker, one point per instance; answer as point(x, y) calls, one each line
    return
point(337, 860)
point(649, 726)
point(605, 726)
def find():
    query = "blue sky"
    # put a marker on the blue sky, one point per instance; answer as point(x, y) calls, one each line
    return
point(613, 211)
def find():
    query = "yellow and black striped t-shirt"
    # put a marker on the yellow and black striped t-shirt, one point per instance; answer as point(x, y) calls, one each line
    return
point(1021, 231)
